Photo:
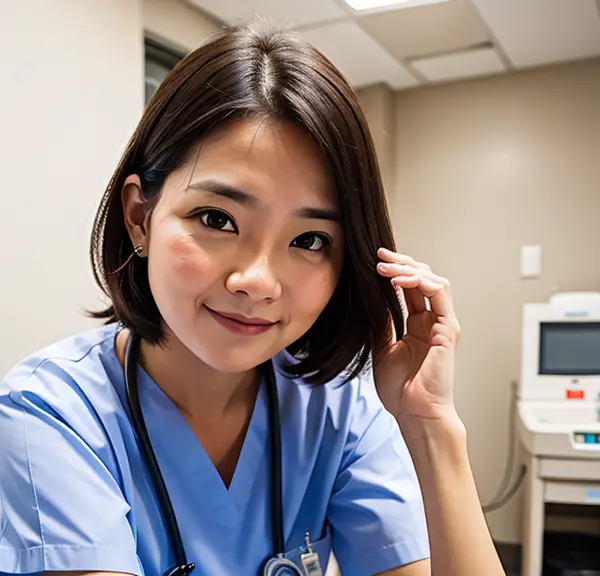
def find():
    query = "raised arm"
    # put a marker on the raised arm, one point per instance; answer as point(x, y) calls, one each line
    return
point(415, 381)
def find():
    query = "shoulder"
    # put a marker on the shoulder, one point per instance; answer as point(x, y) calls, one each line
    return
point(66, 380)
point(67, 354)
point(348, 406)
point(63, 463)
point(68, 351)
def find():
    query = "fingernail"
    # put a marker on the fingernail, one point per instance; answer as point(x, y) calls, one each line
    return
point(383, 267)
point(400, 279)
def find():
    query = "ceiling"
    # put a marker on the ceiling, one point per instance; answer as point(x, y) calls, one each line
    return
point(431, 41)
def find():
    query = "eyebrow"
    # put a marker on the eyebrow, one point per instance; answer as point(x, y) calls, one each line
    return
point(220, 189)
point(246, 199)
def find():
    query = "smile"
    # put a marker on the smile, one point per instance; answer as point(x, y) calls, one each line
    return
point(239, 324)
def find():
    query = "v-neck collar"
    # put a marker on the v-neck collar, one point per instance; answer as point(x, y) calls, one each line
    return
point(190, 475)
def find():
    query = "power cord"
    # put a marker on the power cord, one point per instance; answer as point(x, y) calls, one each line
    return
point(505, 493)
point(501, 502)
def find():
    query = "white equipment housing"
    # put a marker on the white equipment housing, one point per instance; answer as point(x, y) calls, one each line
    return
point(558, 410)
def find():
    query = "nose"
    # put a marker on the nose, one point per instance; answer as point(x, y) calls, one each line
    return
point(256, 280)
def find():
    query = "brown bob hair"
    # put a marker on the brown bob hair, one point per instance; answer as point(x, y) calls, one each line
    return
point(253, 70)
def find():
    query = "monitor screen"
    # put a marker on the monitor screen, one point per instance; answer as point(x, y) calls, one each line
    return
point(570, 348)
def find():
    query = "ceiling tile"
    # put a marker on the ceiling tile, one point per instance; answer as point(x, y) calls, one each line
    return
point(426, 30)
point(461, 65)
point(282, 12)
point(535, 32)
point(358, 56)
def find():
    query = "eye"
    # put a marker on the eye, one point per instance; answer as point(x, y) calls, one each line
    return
point(217, 220)
point(312, 241)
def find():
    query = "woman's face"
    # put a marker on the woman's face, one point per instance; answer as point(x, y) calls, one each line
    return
point(245, 244)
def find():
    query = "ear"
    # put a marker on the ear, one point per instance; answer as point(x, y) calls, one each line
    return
point(134, 211)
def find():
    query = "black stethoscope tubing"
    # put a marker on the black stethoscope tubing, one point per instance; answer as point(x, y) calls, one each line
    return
point(183, 568)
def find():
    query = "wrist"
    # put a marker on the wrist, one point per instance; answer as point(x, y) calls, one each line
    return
point(438, 449)
point(445, 428)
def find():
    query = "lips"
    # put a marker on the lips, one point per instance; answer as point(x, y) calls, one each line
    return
point(240, 324)
point(245, 319)
point(251, 321)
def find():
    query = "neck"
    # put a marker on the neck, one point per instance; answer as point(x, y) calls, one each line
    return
point(194, 387)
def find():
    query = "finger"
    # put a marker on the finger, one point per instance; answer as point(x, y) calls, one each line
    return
point(420, 325)
point(389, 270)
point(390, 256)
point(440, 303)
point(444, 331)
point(417, 303)
point(393, 257)
point(415, 300)
point(441, 339)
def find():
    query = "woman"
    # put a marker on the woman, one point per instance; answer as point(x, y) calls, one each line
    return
point(240, 244)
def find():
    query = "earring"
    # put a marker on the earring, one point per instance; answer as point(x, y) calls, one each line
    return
point(137, 251)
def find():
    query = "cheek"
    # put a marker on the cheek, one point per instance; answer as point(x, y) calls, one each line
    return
point(182, 264)
point(312, 294)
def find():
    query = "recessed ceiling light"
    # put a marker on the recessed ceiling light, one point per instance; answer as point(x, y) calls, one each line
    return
point(362, 5)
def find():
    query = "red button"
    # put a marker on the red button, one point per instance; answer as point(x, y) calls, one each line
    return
point(575, 394)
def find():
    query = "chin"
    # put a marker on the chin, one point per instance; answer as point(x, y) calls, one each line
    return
point(232, 360)
point(231, 366)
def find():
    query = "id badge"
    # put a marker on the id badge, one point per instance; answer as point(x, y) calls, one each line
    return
point(303, 561)
point(310, 559)
point(310, 563)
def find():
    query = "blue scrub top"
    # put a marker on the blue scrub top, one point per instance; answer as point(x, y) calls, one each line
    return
point(75, 493)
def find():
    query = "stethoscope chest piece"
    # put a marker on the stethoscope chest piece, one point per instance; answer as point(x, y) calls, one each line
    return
point(280, 566)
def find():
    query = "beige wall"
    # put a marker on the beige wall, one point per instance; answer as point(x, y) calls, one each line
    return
point(177, 24)
point(379, 106)
point(73, 91)
point(482, 168)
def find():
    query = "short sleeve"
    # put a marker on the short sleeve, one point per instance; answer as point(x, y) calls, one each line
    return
point(376, 509)
point(60, 506)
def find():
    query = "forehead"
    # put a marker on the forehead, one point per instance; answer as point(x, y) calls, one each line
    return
point(266, 158)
